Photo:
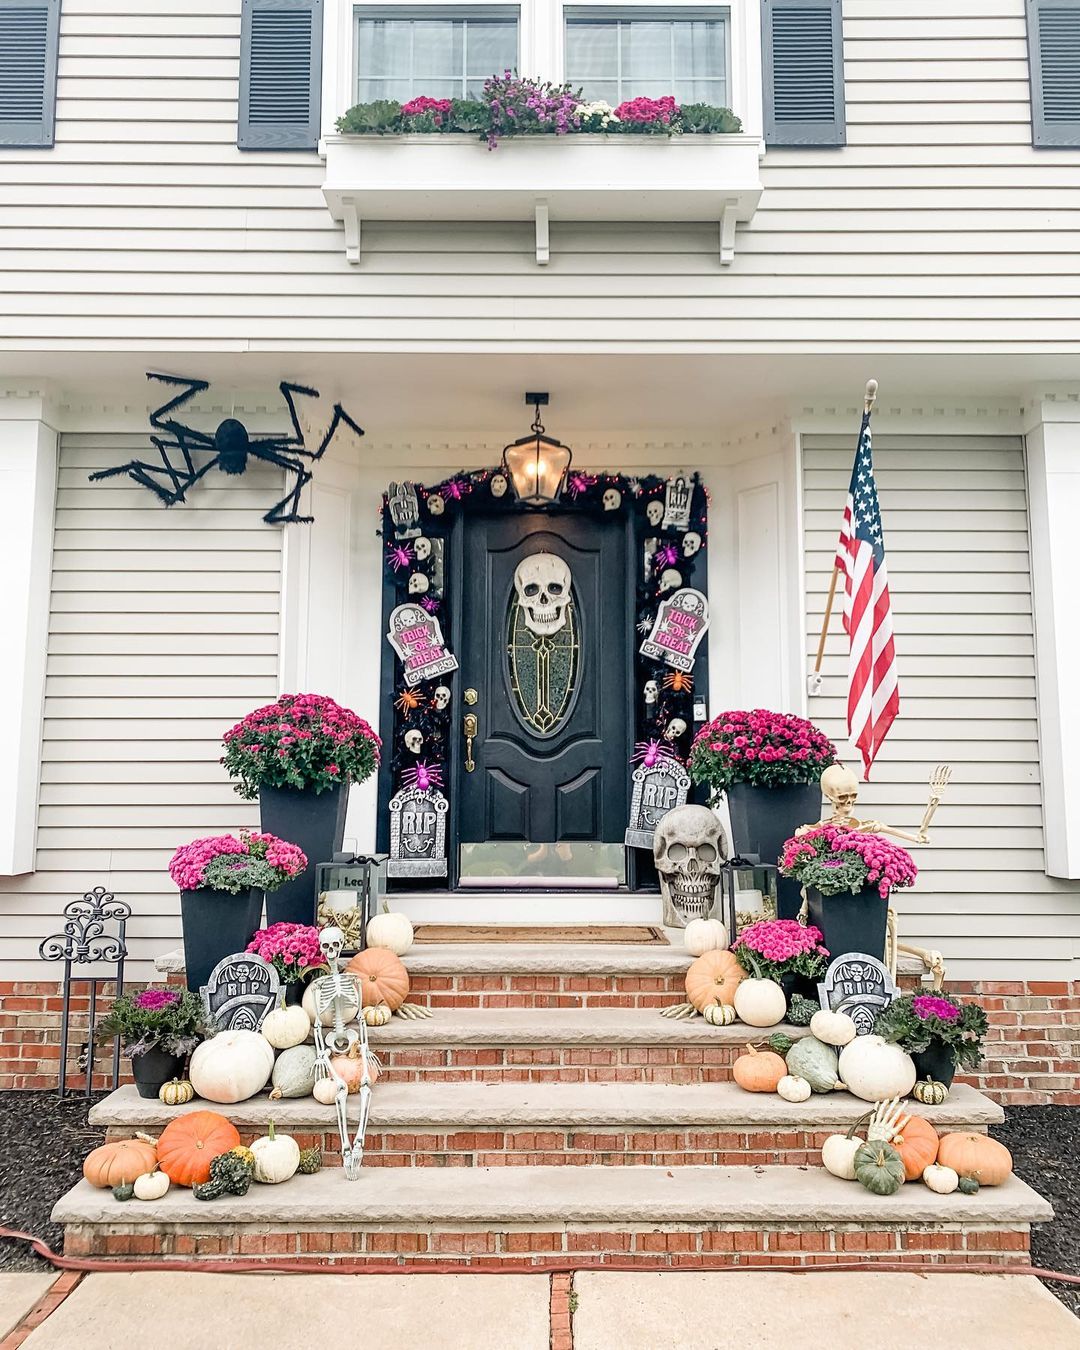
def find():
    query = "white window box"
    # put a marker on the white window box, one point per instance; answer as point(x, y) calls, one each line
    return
point(577, 177)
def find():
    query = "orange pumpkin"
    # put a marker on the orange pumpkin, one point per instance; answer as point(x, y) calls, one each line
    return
point(382, 975)
point(976, 1155)
point(122, 1160)
point(189, 1144)
point(758, 1070)
point(350, 1067)
point(917, 1144)
point(713, 978)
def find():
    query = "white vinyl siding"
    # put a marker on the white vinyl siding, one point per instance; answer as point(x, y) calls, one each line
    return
point(956, 536)
point(163, 632)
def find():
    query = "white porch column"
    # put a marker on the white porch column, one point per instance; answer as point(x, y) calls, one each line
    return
point(1053, 471)
point(28, 494)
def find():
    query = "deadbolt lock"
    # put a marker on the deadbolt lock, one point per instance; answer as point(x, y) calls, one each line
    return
point(471, 697)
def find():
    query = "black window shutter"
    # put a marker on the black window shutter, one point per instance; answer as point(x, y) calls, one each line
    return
point(280, 74)
point(1054, 56)
point(29, 41)
point(802, 45)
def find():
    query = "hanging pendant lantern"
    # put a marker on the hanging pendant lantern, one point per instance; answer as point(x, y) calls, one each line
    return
point(537, 464)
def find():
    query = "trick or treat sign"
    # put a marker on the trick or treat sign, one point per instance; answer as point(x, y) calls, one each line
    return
point(680, 625)
point(658, 789)
point(417, 833)
point(416, 636)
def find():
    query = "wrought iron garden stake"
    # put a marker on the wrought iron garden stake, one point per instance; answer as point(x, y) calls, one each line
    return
point(336, 993)
point(84, 942)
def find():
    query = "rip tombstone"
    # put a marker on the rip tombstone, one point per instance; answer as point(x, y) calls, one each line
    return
point(241, 990)
point(858, 985)
point(417, 833)
point(658, 789)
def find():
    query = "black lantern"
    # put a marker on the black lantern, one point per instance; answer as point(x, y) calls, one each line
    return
point(537, 464)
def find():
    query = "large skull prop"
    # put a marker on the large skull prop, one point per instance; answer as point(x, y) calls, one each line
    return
point(688, 846)
point(542, 582)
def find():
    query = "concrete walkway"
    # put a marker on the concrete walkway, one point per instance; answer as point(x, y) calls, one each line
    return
point(669, 1311)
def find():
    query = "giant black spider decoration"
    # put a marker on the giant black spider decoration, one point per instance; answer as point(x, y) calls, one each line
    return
point(228, 448)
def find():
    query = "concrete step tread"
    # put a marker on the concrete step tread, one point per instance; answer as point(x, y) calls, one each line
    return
point(585, 1106)
point(409, 1197)
point(565, 1026)
point(548, 958)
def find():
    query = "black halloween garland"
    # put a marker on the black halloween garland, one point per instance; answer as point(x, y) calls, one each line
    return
point(671, 529)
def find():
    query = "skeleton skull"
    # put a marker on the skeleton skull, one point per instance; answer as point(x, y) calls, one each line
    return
point(418, 584)
point(652, 691)
point(688, 846)
point(331, 940)
point(841, 787)
point(422, 548)
point(611, 500)
point(670, 579)
point(435, 504)
point(654, 512)
point(675, 729)
point(542, 582)
point(691, 542)
point(498, 485)
point(414, 741)
point(442, 697)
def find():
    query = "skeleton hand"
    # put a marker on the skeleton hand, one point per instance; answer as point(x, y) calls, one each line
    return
point(414, 1012)
point(887, 1121)
point(679, 1011)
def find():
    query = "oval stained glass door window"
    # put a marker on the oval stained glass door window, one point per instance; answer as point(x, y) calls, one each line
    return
point(543, 648)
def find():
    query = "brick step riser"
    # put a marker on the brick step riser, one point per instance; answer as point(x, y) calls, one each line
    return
point(547, 991)
point(715, 1245)
point(554, 1063)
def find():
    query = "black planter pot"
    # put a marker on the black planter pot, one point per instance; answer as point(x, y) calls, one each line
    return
point(153, 1069)
point(850, 923)
point(803, 985)
point(314, 822)
point(294, 991)
point(763, 819)
point(937, 1062)
point(216, 924)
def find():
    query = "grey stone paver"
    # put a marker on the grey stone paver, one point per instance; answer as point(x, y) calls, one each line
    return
point(18, 1294)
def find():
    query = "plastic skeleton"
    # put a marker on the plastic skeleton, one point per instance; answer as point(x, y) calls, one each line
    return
point(339, 992)
point(229, 448)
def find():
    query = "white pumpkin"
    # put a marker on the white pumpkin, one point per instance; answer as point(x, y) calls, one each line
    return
point(704, 935)
point(875, 1070)
point(719, 1014)
point(394, 932)
point(231, 1067)
point(760, 1003)
point(793, 1089)
point(286, 1027)
point(294, 1072)
point(325, 1091)
point(277, 1156)
point(941, 1180)
point(151, 1186)
point(834, 1028)
point(327, 1018)
point(838, 1155)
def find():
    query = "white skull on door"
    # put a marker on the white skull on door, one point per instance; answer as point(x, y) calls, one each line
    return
point(688, 846)
point(542, 582)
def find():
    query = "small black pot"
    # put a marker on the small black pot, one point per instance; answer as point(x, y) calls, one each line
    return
point(850, 923)
point(803, 985)
point(216, 924)
point(313, 821)
point(937, 1062)
point(153, 1069)
point(294, 991)
point(763, 819)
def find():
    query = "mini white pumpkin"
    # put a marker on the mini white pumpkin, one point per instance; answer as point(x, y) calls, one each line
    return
point(286, 1027)
point(760, 1003)
point(876, 1070)
point(941, 1180)
point(793, 1089)
point(834, 1028)
point(151, 1186)
point(719, 1014)
point(277, 1156)
point(231, 1066)
point(376, 1014)
point(838, 1155)
point(704, 935)
point(325, 1091)
point(327, 1018)
point(392, 931)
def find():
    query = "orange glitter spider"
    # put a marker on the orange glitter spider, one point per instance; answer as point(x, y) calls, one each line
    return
point(407, 701)
point(678, 682)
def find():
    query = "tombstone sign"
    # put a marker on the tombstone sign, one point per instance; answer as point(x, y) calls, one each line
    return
point(404, 510)
point(677, 497)
point(658, 789)
point(241, 990)
point(417, 833)
point(416, 636)
point(858, 985)
point(680, 625)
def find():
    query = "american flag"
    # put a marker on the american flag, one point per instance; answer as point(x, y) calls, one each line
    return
point(873, 696)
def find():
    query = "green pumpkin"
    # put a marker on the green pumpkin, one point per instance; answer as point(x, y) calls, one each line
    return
point(310, 1161)
point(123, 1190)
point(800, 1010)
point(879, 1167)
point(209, 1190)
point(968, 1186)
point(815, 1061)
point(233, 1171)
point(781, 1043)
point(930, 1093)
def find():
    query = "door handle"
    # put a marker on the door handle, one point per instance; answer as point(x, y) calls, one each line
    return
point(469, 726)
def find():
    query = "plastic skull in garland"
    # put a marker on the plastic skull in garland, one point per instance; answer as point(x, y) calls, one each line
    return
point(689, 847)
point(542, 582)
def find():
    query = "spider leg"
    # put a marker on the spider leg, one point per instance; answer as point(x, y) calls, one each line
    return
point(340, 415)
point(152, 475)
point(189, 389)
point(297, 439)
point(272, 453)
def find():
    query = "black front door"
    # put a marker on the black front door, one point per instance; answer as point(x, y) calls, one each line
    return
point(546, 619)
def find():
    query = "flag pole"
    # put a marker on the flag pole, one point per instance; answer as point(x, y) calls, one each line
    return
point(868, 407)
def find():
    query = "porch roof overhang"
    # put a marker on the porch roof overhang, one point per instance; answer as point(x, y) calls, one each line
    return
point(543, 179)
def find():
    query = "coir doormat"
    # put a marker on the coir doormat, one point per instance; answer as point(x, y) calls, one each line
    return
point(455, 932)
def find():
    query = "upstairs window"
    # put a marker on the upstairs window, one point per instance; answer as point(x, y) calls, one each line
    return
point(618, 54)
point(440, 51)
